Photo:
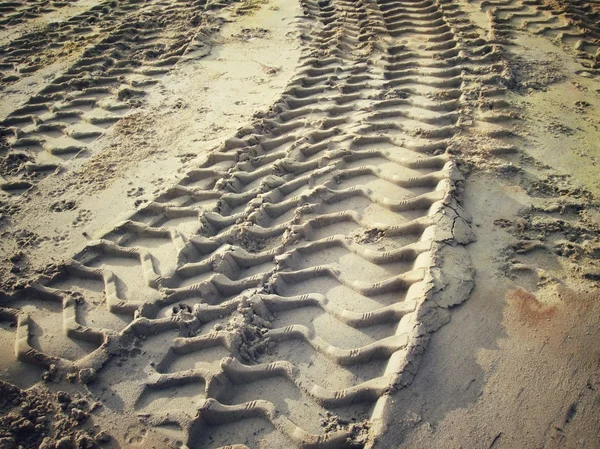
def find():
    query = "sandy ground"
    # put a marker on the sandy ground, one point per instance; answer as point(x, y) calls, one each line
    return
point(269, 224)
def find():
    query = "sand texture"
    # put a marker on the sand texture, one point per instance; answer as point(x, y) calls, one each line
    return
point(315, 224)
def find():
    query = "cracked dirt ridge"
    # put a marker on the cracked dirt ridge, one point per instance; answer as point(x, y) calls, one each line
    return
point(285, 289)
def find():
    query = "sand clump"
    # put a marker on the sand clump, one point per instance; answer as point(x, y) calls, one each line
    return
point(39, 419)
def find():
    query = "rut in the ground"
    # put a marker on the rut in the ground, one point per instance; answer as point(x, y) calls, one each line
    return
point(296, 261)
point(30, 52)
point(571, 24)
point(132, 46)
point(13, 12)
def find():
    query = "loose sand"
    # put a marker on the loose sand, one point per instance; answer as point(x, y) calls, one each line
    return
point(313, 224)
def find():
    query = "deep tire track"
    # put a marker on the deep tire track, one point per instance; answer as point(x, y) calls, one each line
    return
point(30, 52)
point(111, 77)
point(336, 203)
point(569, 24)
point(14, 12)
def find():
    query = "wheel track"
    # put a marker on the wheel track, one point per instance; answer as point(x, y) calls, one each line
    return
point(557, 216)
point(569, 24)
point(381, 92)
point(15, 12)
point(22, 56)
point(108, 80)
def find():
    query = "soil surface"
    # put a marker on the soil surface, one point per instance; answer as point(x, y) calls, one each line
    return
point(264, 224)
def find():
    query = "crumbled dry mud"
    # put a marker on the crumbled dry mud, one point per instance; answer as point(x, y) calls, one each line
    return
point(315, 224)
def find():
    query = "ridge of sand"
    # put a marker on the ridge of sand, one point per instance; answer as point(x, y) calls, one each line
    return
point(290, 282)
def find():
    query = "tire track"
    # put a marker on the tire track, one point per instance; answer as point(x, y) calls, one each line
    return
point(16, 12)
point(565, 23)
point(30, 52)
point(109, 79)
point(556, 222)
point(297, 263)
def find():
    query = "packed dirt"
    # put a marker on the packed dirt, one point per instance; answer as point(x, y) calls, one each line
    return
point(317, 224)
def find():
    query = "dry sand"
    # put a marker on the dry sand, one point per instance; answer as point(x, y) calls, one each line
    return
point(314, 224)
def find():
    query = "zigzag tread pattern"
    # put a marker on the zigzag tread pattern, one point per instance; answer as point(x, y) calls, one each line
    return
point(131, 46)
point(14, 12)
point(31, 51)
point(571, 24)
point(294, 263)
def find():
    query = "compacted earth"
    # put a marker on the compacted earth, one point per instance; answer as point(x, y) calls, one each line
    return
point(264, 224)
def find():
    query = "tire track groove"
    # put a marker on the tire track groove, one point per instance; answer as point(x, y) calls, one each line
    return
point(336, 202)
